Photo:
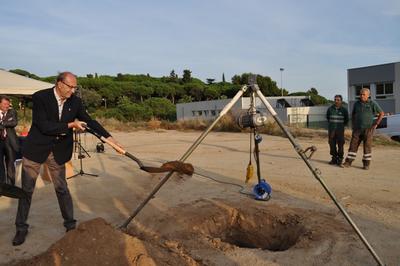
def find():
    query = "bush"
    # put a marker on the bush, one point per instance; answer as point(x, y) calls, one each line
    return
point(162, 108)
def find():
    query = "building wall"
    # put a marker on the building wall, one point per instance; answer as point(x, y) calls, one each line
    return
point(200, 110)
point(396, 87)
point(208, 110)
point(307, 114)
point(373, 75)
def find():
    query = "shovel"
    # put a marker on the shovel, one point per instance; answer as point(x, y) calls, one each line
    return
point(176, 166)
point(12, 191)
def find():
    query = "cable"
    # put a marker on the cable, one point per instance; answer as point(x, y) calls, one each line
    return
point(227, 183)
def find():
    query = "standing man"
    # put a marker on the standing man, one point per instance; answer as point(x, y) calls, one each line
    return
point(364, 126)
point(8, 141)
point(56, 111)
point(338, 117)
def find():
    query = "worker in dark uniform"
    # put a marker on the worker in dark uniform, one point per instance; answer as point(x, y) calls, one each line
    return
point(364, 126)
point(337, 117)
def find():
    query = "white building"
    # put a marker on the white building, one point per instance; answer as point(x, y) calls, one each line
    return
point(383, 82)
point(290, 109)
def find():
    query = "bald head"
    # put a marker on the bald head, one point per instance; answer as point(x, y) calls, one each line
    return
point(66, 84)
point(63, 75)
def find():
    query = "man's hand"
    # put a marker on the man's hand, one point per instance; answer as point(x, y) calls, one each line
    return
point(77, 125)
point(121, 151)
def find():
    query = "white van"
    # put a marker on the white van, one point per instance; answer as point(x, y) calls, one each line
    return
point(390, 126)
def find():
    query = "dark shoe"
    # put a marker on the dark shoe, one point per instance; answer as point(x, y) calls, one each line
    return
point(339, 162)
point(366, 167)
point(69, 229)
point(333, 161)
point(19, 238)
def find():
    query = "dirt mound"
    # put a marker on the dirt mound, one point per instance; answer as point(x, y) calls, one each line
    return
point(96, 242)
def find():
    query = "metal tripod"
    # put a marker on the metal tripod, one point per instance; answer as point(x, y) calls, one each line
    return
point(253, 87)
point(81, 156)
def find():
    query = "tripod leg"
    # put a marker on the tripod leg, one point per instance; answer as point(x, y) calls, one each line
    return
point(317, 175)
point(184, 156)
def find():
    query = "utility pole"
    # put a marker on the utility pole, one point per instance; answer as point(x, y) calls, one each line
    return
point(281, 69)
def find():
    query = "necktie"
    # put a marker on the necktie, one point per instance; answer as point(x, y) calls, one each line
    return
point(3, 132)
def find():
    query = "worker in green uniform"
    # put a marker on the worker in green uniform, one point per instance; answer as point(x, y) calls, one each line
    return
point(338, 117)
point(364, 126)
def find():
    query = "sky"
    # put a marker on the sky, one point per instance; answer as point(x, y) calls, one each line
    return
point(315, 42)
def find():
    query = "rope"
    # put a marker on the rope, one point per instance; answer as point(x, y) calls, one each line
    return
point(226, 183)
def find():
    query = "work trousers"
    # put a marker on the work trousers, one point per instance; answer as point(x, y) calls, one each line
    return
point(336, 143)
point(30, 172)
point(358, 136)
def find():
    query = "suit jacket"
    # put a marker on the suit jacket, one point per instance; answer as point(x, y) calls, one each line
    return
point(48, 133)
point(9, 122)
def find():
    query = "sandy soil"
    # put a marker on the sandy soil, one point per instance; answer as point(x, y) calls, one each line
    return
point(198, 221)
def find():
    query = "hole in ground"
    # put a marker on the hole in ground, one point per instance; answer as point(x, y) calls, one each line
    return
point(254, 229)
point(279, 238)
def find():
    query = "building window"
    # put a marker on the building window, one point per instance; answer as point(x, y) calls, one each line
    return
point(384, 90)
point(358, 89)
point(213, 113)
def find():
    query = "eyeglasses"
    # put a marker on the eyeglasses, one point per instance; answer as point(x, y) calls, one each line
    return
point(69, 86)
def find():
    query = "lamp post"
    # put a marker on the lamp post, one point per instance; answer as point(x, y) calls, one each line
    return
point(105, 102)
point(281, 69)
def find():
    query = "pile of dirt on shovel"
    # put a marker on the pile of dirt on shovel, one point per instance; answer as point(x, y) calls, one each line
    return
point(95, 242)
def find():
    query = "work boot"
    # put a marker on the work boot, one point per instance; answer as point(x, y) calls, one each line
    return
point(366, 165)
point(19, 238)
point(346, 164)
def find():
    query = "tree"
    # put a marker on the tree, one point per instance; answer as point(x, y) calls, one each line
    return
point(91, 99)
point(195, 90)
point(186, 99)
point(24, 73)
point(173, 77)
point(223, 78)
point(267, 85)
point(187, 76)
point(315, 98)
point(210, 81)
point(132, 111)
point(312, 91)
point(162, 108)
point(211, 92)
point(142, 92)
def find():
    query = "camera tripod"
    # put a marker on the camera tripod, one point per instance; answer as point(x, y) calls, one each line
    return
point(81, 156)
point(253, 88)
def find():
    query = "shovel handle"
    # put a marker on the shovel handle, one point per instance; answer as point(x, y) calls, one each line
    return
point(115, 146)
point(103, 139)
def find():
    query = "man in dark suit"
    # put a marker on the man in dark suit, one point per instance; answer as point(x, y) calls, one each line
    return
point(56, 112)
point(8, 141)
